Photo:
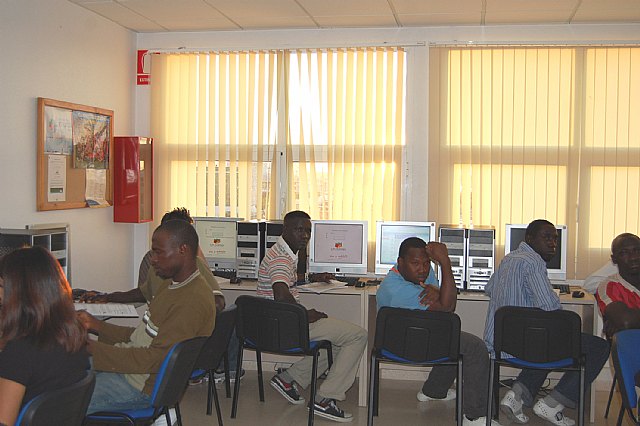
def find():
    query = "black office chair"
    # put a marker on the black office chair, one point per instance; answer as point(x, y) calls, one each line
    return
point(626, 362)
point(537, 339)
point(170, 385)
point(421, 338)
point(213, 351)
point(283, 328)
point(65, 406)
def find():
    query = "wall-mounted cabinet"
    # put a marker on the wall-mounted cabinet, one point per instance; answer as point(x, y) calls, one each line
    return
point(133, 179)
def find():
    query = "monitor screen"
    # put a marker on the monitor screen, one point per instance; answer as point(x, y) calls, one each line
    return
point(557, 266)
point(338, 246)
point(389, 236)
point(218, 240)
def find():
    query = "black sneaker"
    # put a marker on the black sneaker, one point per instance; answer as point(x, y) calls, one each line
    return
point(328, 409)
point(218, 376)
point(288, 390)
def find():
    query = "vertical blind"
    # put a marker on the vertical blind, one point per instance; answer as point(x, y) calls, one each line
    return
point(523, 133)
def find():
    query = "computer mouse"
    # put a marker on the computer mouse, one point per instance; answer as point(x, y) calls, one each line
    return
point(360, 284)
point(234, 280)
point(577, 294)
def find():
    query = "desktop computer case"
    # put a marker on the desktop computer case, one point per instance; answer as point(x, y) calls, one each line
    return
point(455, 238)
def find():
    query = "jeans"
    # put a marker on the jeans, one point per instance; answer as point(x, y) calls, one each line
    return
point(232, 353)
point(113, 393)
point(566, 392)
point(475, 377)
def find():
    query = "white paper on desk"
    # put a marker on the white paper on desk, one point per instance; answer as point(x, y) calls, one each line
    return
point(321, 287)
point(108, 309)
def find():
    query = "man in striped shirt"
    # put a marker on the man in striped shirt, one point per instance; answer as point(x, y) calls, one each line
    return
point(618, 296)
point(277, 276)
point(521, 280)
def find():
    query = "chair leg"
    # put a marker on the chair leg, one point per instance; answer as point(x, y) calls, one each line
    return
point(236, 386)
point(178, 416)
point(492, 390)
point(581, 397)
point(227, 378)
point(611, 392)
point(376, 395)
point(260, 379)
point(620, 416)
point(211, 385)
point(314, 384)
point(217, 401)
point(459, 391)
point(372, 386)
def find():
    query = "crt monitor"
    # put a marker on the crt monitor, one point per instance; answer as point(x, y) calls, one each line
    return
point(218, 240)
point(389, 235)
point(557, 266)
point(338, 247)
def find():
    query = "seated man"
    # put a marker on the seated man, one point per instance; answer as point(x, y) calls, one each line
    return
point(276, 279)
point(619, 295)
point(521, 280)
point(411, 284)
point(127, 359)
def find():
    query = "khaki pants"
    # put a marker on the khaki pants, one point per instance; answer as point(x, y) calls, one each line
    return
point(348, 342)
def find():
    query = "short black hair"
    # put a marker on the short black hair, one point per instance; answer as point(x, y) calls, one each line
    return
point(410, 243)
point(621, 238)
point(535, 226)
point(181, 232)
point(296, 214)
point(179, 213)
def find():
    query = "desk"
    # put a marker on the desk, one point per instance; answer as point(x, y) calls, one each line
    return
point(358, 305)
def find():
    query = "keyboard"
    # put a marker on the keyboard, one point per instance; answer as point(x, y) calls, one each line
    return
point(564, 288)
point(224, 273)
point(348, 280)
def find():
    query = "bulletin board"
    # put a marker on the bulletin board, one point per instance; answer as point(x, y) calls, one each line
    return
point(75, 156)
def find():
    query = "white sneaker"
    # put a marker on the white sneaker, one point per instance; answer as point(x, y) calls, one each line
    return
point(552, 415)
point(512, 407)
point(451, 394)
point(162, 420)
point(480, 421)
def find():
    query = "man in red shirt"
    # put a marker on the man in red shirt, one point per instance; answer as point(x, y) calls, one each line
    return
point(619, 296)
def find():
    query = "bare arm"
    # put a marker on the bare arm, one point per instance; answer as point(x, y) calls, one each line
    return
point(11, 394)
point(445, 298)
point(619, 316)
point(281, 293)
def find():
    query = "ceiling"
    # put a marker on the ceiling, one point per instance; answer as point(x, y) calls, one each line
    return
point(236, 15)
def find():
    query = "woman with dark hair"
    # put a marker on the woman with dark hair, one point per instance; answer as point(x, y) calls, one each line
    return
point(42, 343)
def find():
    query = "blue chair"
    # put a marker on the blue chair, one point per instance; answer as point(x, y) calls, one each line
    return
point(283, 328)
point(626, 362)
point(537, 339)
point(66, 406)
point(213, 351)
point(171, 382)
point(414, 337)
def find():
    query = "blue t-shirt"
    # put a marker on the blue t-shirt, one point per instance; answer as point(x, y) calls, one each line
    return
point(396, 292)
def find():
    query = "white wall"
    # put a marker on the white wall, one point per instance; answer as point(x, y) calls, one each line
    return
point(55, 49)
point(415, 206)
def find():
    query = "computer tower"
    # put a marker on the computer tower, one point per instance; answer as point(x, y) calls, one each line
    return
point(248, 250)
point(272, 230)
point(455, 238)
point(480, 257)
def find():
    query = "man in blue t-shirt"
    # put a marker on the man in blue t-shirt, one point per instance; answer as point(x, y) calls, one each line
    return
point(411, 284)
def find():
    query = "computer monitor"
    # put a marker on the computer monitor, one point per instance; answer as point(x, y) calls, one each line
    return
point(218, 240)
point(338, 247)
point(389, 236)
point(557, 266)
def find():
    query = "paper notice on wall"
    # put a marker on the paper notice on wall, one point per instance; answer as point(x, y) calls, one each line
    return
point(57, 178)
point(96, 188)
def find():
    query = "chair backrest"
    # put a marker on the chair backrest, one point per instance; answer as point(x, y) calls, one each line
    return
point(626, 361)
point(272, 326)
point(66, 406)
point(173, 376)
point(216, 345)
point(537, 336)
point(418, 336)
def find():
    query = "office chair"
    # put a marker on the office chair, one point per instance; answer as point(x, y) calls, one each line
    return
point(65, 406)
point(626, 362)
point(213, 351)
point(283, 328)
point(171, 382)
point(413, 337)
point(537, 339)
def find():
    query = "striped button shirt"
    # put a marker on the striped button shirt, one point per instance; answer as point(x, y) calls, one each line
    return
point(279, 265)
point(520, 280)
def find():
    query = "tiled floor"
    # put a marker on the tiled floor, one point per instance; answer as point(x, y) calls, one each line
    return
point(398, 406)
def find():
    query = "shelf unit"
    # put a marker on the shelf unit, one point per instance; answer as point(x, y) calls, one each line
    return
point(56, 240)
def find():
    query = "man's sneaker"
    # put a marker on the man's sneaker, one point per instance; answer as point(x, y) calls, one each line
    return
point(218, 376)
point(328, 409)
point(451, 394)
point(480, 421)
point(288, 390)
point(552, 415)
point(512, 407)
